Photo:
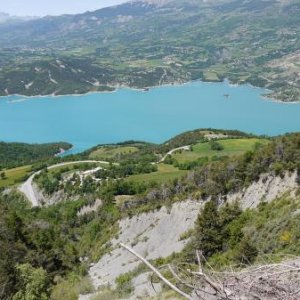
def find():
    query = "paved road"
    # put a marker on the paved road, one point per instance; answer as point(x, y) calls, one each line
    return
point(27, 187)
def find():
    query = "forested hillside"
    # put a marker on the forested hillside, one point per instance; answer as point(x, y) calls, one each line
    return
point(19, 154)
point(42, 249)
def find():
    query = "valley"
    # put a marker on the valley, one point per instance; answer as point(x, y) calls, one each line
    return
point(150, 150)
point(142, 44)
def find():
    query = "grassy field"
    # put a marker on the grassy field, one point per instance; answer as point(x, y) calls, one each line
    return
point(14, 175)
point(211, 76)
point(110, 153)
point(165, 173)
point(231, 147)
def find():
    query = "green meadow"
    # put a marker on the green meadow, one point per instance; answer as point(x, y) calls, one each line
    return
point(231, 147)
point(164, 173)
point(13, 176)
point(111, 153)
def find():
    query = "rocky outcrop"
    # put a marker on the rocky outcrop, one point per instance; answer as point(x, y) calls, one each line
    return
point(267, 188)
point(47, 200)
point(158, 233)
point(143, 288)
point(90, 208)
point(153, 235)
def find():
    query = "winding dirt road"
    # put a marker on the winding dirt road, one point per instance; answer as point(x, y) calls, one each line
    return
point(27, 187)
point(185, 148)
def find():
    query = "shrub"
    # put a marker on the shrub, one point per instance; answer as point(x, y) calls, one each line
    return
point(246, 252)
point(70, 288)
point(124, 284)
point(216, 146)
point(106, 294)
point(33, 283)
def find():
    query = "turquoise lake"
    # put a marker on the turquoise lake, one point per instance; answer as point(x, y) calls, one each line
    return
point(152, 116)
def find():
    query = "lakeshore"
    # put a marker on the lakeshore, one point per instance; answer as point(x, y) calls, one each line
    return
point(153, 116)
point(113, 89)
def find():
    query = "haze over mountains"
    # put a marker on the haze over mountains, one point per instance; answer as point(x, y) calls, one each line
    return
point(5, 17)
point(147, 43)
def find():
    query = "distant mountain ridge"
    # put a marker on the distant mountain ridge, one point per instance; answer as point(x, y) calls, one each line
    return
point(153, 42)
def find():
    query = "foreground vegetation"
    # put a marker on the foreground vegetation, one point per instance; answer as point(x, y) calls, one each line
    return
point(272, 229)
point(45, 251)
point(230, 240)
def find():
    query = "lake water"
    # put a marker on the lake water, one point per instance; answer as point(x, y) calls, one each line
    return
point(153, 116)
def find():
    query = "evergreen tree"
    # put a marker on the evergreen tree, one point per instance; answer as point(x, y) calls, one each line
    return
point(208, 230)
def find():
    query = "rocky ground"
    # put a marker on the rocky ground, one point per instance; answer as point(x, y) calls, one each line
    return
point(158, 233)
point(153, 235)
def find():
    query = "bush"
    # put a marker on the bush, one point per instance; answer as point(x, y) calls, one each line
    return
point(124, 284)
point(215, 146)
point(33, 283)
point(106, 294)
point(246, 252)
point(70, 288)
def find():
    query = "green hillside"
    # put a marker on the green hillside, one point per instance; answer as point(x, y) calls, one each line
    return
point(228, 147)
point(140, 45)
point(42, 247)
point(18, 154)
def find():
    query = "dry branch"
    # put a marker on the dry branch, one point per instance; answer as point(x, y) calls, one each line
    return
point(273, 281)
point(166, 281)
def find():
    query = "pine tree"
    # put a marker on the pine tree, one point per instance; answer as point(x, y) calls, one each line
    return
point(208, 230)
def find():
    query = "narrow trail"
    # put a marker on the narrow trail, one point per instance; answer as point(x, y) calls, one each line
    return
point(185, 148)
point(27, 187)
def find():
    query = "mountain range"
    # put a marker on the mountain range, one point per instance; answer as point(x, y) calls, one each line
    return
point(147, 43)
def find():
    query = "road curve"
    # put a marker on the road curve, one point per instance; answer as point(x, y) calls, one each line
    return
point(186, 148)
point(27, 187)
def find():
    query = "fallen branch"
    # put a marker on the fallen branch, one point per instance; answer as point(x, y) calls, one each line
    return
point(166, 281)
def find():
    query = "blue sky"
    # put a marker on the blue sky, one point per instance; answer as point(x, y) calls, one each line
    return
point(52, 7)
